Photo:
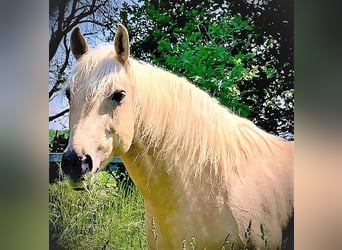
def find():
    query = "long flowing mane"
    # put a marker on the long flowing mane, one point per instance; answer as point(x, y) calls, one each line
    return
point(177, 120)
point(184, 124)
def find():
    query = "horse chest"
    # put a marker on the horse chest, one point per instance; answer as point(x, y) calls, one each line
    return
point(186, 220)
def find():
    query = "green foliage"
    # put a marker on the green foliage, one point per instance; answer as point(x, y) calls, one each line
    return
point(58, 140)
point(231, 56)
point(108, 216)
point(207, 54)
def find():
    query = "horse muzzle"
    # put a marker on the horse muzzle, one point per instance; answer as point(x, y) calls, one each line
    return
point(75, 167)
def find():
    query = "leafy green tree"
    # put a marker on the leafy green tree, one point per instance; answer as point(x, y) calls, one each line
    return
point(219, 57)
point(232, 56)
point(274, 109)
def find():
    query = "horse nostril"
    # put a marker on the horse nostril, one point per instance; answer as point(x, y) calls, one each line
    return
point(87, 164)
point(74, 165)
point(70, 162)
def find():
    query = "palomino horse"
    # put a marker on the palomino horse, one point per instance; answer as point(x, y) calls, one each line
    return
point(206, 174)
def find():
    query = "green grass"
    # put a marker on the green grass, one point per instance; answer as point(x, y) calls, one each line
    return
point(108, 216)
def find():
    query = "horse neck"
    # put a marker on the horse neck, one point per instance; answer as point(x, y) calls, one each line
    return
point(180, 127)
point(150, 174)
point(172, 114)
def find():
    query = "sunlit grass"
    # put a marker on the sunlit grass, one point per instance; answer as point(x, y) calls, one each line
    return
point(108, 216)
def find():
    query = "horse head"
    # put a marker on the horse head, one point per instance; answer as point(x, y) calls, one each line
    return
point(101, 107)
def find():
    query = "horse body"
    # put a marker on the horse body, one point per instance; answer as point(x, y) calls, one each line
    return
point(206, 206)
point(206, 175)
point(174, 214)
point(209, 213)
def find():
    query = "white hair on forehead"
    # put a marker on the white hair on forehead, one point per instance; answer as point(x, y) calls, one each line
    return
point(97, 72)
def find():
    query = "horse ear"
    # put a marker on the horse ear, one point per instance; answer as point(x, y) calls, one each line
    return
point(78, 43)
point(121, 43)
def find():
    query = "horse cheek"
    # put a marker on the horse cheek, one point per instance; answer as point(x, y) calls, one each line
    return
point(125, 128)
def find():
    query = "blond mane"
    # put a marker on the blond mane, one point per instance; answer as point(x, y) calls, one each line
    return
point(183, 124)
point(176, 120)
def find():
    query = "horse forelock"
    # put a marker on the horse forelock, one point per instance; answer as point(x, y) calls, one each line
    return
point(96, 73)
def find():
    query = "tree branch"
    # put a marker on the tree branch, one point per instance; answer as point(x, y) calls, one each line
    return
point(53, 117)
point(56, 86)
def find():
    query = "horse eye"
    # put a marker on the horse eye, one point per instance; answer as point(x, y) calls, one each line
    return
point(118, 96)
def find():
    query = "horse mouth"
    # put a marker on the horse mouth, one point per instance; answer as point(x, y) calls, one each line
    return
point(83, 182)
point(84, 179)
